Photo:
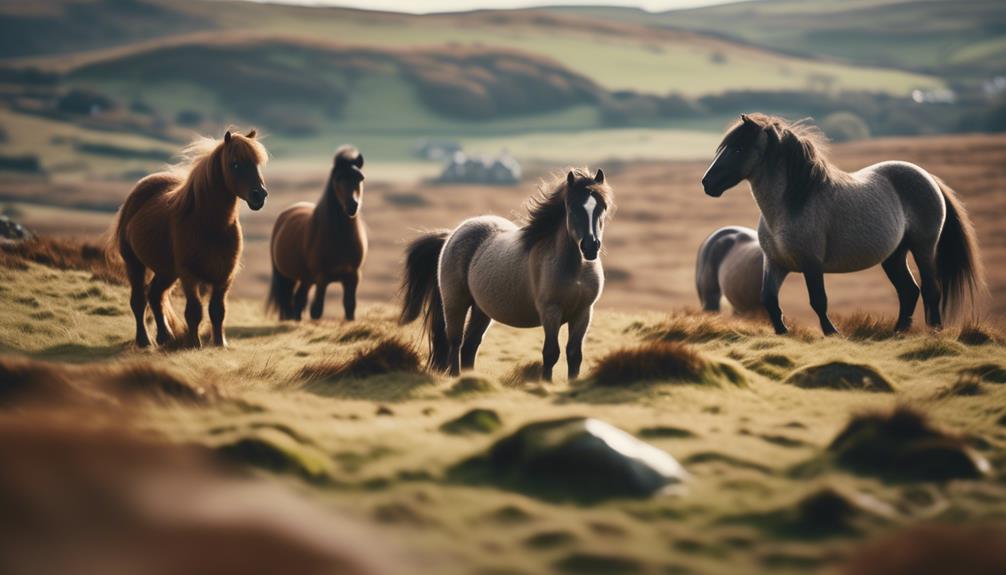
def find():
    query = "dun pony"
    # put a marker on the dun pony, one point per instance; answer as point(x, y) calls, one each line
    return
point(818, 219)
point(183, 225)
point(546, 273)
point(316, 244)
point(729, 264)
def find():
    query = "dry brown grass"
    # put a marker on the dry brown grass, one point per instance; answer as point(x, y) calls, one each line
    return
point(389, 355)
point(659, 360)
point(863, 326)
point(65, 254)
point(966, 386)
point(28, 382)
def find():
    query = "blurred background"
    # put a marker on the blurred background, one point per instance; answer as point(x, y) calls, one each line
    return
point(459, 113)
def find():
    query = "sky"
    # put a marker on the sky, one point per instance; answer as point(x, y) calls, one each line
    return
point(426, 6)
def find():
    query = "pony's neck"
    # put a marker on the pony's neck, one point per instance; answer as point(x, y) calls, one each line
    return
point(768, 186)
point(566, 248)
point(329, 213)
point(208, 195)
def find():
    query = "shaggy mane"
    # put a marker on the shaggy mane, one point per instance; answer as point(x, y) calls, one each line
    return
point(799, 148)
point(546, 210)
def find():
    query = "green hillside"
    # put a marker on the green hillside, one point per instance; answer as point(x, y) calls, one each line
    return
point(950, 38)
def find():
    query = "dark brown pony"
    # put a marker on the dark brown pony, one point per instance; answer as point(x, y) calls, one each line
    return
point(183, 225)
point(319, 244)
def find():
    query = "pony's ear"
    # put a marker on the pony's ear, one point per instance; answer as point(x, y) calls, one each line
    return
point(227, 136)
point(359, 160)
point(252, 133)
point(570, 178)
point(599, 176)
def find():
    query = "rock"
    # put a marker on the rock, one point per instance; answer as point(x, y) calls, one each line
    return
point(477, 420)
point(581, 459)
point(11, 230)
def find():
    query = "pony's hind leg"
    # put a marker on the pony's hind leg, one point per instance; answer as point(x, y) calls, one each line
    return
point(551, 321)
point(931, 293)
point(158, 286)
point(814, 278)
point(193, 312)
point(296, 312)
point(218, 309)
point(478, 323)
point(455, 313)
point(137, 298)
point(897, 270)
point(574, 347)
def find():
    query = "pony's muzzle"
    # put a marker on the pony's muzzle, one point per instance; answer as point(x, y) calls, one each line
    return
point(590, 248)
point(256, 198)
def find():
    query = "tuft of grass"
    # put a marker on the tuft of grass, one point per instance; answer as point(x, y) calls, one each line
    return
point(158, 384)
point(64, 254)
point(867, 327)
point(659, 360)
point(979, 333)
point(390, 355)
point(278, 453)
point(932, 348)
point(823, 512)
point(904, 444)
point(653, 361)
point(522, 373)
point(470, 385)
point(991, 372)
point(841, 375)
point(25, 381)
point(701, 328)
point(477, 420)
point(965, 386)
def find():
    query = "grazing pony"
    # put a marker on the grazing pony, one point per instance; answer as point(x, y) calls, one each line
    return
point(183, 225)
point(817, 219)
point(546, 273)
point(729, 264)
point(319, 244)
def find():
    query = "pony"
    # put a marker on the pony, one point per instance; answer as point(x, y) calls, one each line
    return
point(183, 225)
point(818, 219)
point(729, 263)
point(316, 244)
point(545, 273)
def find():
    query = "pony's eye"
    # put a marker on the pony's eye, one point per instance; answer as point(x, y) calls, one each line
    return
point(235, 166)
point(738, 150)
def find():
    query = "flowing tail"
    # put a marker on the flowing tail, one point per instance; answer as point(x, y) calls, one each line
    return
point(422, 294)
point(958, 263)
point(280, 298)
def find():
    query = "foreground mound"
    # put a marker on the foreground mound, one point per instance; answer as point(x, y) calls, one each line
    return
point(124, 500)
point(578, 459)
point(905, 445)
point(841, 375)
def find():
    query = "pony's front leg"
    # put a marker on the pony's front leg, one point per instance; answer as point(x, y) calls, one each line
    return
point(772, 278)
point(814, 278)
point(193, 312)
point(318, 305)
point(218, 309)
point(574, 347)
point(349, 284)
point(551, 320)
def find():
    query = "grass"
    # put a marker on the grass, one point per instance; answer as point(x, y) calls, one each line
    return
point(841, 375)
point(772, 466)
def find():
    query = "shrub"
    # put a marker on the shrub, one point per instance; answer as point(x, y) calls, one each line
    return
point(845, 127)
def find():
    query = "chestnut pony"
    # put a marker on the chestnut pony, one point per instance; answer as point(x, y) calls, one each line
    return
point(183, 225)
point(319, 244)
